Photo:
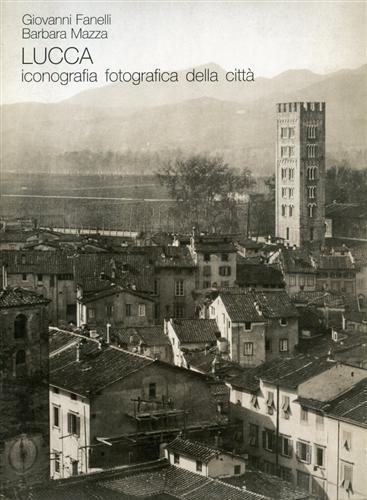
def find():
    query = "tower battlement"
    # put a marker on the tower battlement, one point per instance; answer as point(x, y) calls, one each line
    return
point(294, 107)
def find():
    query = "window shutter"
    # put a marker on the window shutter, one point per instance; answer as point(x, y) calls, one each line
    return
point(70, 428)
point(308, 454)
point(290, 448)
point(264, 439)
point(298, 449)
point(77, 431)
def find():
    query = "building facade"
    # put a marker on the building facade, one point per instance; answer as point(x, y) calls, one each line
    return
point(300, 172)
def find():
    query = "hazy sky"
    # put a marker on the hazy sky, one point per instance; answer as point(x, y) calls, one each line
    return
point(268, 37)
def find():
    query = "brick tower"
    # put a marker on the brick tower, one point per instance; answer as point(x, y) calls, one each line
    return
point(300, 173)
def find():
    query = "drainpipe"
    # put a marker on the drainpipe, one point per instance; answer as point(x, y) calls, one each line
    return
point(337, 463)
point(277, 435)
point(85, 441)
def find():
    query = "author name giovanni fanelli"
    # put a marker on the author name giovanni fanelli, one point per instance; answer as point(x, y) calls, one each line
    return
point(69, 20)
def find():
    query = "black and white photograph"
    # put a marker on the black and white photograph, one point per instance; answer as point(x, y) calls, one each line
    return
point(183, 250)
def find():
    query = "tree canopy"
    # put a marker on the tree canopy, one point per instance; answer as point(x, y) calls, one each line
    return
point(206, 190)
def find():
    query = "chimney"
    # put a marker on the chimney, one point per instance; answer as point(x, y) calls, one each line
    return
point(108, 326)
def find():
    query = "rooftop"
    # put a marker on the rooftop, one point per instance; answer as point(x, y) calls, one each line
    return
point(258, 305)
point(194, 449)
point(195, 330)
point(257, 274)
point(149, 335)
point(17, 297)
point(346, 210)
point(351, 405)
point(97, 368)
point(288, 372)
point(297, 261)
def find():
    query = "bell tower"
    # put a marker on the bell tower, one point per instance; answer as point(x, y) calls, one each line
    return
point(24, 400)
point(300, 173)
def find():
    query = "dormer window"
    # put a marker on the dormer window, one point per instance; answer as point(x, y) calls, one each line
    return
point(283, 321)
point(248, 325)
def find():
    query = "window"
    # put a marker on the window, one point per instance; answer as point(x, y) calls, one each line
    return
point(287, 233)
point(283, 321)
point(156, 287)
point(284, 192)
point(57, 461)
point(237, 470)
point(284, 173)
point(20, 363)
point(347, 477)
point(225, 270)
point(39, 278)
point(179, 288)
point(269, 440)
point(284, 208)
point(20, 326)
point(283, 345)
point(73, 424)
point(283, 151)
point(311, 173)
point(303, 452)
point(291, 132)
point(347, 440)
point(224, 257)
point(310, 280)
point(127, 309)
point(286, 446)
point(268, 345)
point(178, 310)
point(73, 396)
point(304, 415)
point(303, 480)
point(141, 310)
point(319, 456)
point(248, 349)
point(292, 279)
point(176, 458)
point(270, 403)
point(224, 284)
point(109, 310)
point(311, 209)
point(206, 284)
point(286, 409)
point(311, 233)
point(248, 325)
point(291, 151)
point(291, 174)
point(318, 488)
point(24, 277)
point(269, 468)
point(206, 257)
point(311, 131)
point(319, 420)
point(91, 313)
point(199, 465)
point(254, 402)
point(152, 390)
point(311, 150)
point(254, 435)
point(311, 190)
point(207, 271)
point(290, 210)
point(286, 474)
point(23, 259)
point(56, 416)
point(284, 132)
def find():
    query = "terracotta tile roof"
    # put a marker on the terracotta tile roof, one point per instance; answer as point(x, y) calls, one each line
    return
point(196, 330)
point(16, 297)
point(332, 262)
point(351, 405)
point(258, 305)
point(288, 372)
point(297, 261)
point(320, 298)
point(257, 274)
point(113, 289)
point(195, 449)
point(47, 262)
point(179, 483)
point(269, 485)
point(149, 335)
point(96, 369)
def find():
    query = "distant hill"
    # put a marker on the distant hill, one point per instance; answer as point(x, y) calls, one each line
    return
point(235, 120)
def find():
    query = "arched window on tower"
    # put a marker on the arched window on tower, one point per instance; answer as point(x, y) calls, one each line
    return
point(290, 210)
point(284, 208)
point(20, 326)
point(20, 363)
point(311, 209)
